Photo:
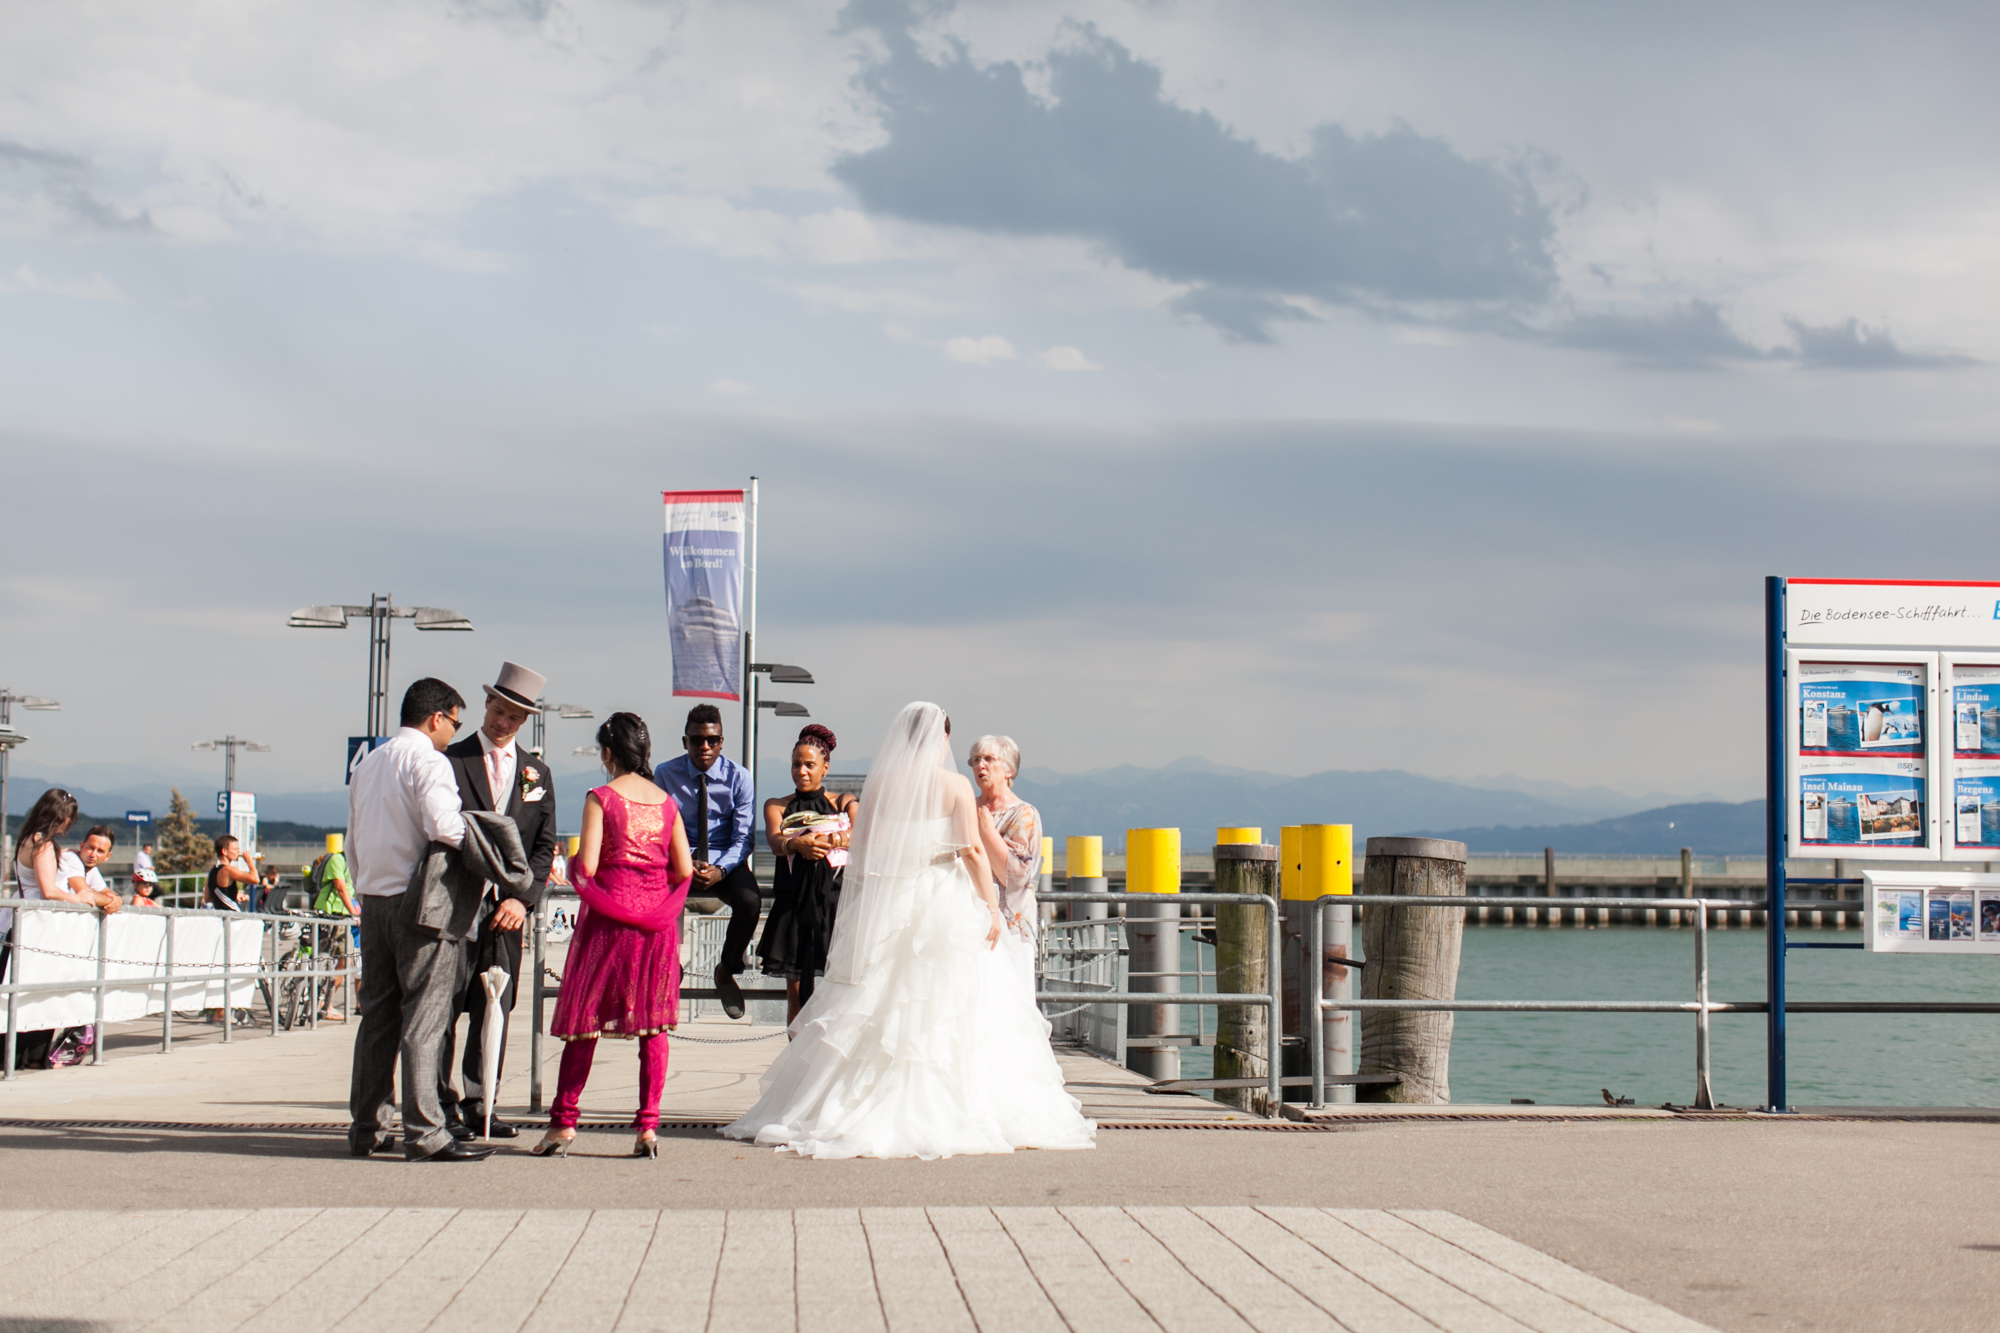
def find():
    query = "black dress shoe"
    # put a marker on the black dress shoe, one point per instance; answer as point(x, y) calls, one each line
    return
point(476, 1122)
point(363, 1147)
point(460, 1131)
point(456, 1152)
point(730, 992)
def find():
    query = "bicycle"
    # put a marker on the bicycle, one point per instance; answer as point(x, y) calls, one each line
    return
point(306, 991)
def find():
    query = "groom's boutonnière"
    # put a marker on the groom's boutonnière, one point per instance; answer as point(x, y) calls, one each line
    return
point(531, 783)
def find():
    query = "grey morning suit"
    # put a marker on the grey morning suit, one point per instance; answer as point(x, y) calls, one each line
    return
point(414, 961)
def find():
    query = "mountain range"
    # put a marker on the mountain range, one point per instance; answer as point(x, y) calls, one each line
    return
point(1488, 814)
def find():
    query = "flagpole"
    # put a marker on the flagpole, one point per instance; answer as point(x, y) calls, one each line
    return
point(748, 681)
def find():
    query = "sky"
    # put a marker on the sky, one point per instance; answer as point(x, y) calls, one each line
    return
point(1303, 386)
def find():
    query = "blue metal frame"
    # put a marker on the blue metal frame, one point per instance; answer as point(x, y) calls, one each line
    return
point(1774, 844)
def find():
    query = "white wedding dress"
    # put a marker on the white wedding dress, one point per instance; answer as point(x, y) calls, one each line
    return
point(920, 1041)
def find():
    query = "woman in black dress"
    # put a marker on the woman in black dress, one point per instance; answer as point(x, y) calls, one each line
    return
point(808, 833)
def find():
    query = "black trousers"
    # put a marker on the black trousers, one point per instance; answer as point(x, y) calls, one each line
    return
point(492, 948)
point(738, 890)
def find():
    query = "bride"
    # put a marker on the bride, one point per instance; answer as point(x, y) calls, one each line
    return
point(920, 1041)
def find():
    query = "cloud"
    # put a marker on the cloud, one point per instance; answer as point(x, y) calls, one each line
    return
point(1066, 358)
point(731, 388)
point(1850, 346)
point(42, 189)
point(1691, 335)
point(1391, 219)
point(980, 351)
point(96, 287)
point(865, 301)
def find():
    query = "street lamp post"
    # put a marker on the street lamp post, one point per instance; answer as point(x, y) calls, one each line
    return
point(538, 732)
point(781, 674)
point(381, 609)
point(229, 745)
point(9, 738)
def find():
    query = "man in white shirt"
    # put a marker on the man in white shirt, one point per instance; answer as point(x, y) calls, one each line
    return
point(402, 799)
point(79, 869)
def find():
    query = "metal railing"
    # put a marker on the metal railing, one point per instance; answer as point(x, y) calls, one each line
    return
point(285, 976)
point(1274, 1071)
point(541, 991)
point(1318, 1005)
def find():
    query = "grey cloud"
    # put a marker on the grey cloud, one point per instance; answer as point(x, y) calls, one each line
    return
point(1849, 346)
point(64, 180)
point(1369, 221)
point(1692, 335)
point(1239, 315)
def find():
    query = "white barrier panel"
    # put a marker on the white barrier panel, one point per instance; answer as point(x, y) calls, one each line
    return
point(62, 946)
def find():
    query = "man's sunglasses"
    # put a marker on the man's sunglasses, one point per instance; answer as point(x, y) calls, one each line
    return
point(704, 742)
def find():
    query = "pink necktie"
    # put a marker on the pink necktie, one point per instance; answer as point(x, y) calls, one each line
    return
point(493, 779)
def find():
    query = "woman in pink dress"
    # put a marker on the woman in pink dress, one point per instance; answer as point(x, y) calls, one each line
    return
point(623, 974)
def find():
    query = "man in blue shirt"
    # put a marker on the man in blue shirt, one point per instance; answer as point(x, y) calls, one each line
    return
point(716, 800)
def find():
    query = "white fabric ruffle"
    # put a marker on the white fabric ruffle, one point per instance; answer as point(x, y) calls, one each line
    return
point(936, 1051)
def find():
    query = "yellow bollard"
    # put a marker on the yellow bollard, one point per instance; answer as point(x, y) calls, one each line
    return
point(1153, 860)
point(1326, 860)
point(1086, 859)
point(1153, 936)
point(1230, 836)
point(1048, 857)
point(1326, 866)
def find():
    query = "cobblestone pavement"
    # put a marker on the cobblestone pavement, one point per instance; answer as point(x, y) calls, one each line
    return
point(817, 1270)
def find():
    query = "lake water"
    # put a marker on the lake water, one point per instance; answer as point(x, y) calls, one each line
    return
point(1866, 1059)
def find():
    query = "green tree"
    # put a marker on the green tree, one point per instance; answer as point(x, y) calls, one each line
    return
point(182, 848)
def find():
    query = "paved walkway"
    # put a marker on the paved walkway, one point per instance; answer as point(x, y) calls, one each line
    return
point(301, 1078)
point(833, 1270)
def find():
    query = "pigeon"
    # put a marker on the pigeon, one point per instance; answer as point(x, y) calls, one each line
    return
point(1609, 1100)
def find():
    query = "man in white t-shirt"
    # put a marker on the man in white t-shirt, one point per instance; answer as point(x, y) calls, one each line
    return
point(79, 869)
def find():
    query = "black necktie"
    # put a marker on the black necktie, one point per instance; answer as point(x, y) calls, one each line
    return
point(701, 817)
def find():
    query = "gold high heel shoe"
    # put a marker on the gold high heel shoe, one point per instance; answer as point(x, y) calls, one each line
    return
point(647, 1146)
point(549, 1147)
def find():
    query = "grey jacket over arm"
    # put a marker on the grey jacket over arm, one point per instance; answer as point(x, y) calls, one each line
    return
point(450, 881)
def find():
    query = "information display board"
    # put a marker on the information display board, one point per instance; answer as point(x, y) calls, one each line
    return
point(1970, 699)
point(1862, 754)
point(1943, 911)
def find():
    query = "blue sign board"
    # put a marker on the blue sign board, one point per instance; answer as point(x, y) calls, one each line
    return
point(222, 803)
point(357, 750)
point(138, 816)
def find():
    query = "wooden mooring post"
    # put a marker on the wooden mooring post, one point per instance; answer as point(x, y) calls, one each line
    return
point(1412, 954)
point(1243, 966)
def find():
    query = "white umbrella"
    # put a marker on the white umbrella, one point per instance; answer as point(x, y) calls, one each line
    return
point(492, 1034)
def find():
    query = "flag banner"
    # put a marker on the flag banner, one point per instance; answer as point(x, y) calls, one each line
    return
point(704, 557)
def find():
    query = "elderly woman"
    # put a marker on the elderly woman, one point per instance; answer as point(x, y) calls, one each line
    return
point(1011, 831)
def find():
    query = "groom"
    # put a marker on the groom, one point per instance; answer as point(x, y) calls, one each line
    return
point(496, 774)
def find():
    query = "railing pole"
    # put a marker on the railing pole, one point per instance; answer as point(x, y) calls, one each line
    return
point(1704, 1096)
point(535, 1031)
point(167, 991)
point(97, 1032)
point(1315, 995)
point(1275, 979)
point(228, 966)
point(13, 976)
point(271, 990)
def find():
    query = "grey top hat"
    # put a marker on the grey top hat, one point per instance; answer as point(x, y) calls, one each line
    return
point(517, 685)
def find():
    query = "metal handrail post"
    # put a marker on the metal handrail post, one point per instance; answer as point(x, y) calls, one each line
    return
point(228, 966)
point(535, 1030)
point(1274, 978)
point(1704, 1096)
point(271, 990)
point(97, 1031)
point(167, 993)
point(1316, 991)
point(13, 1017)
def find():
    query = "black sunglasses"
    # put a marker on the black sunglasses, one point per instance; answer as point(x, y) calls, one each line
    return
point(703, 742)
